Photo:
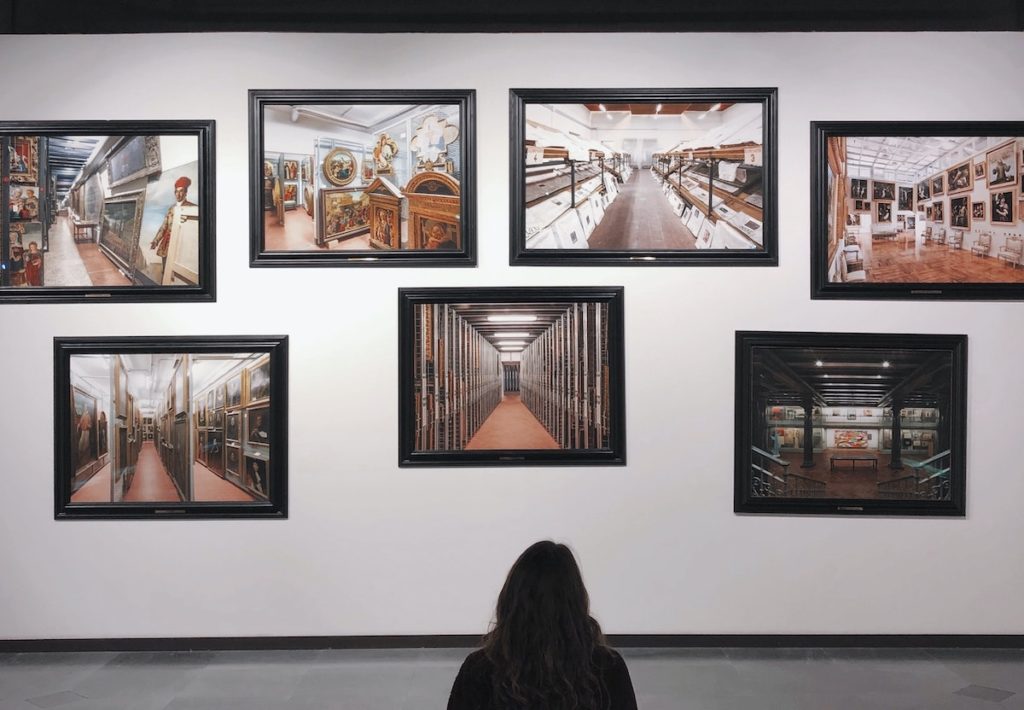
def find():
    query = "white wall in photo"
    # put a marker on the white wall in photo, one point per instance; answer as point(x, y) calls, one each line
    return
point(370, 548)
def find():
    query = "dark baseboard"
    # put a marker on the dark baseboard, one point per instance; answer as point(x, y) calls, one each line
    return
point(275, 643)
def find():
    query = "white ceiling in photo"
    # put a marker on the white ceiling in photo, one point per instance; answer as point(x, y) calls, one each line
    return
point(911, 158)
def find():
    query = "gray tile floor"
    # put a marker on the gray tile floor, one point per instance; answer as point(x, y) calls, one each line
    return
point(665, 679)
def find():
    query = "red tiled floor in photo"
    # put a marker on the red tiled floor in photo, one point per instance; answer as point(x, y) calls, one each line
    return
point(512, 426)
point(96, 489)
point(297, 235)
point(208, 486)
point(152, 483)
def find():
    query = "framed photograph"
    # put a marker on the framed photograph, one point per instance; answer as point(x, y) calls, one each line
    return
point(104, 466)
point(960, 212)
point(571, 148)
point(893, 390)
point(393, 180)
point(960, 178)
point(979, 171)
point(1003, 169)
point(978, 212)
point(883, 190)
point(932, 159)
point(507, 355)
point(128, 207)
point(1002, 211)
point(906, 199)
point(858, 189)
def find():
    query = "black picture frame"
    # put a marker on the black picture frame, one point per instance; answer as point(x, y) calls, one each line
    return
point(821, 258)
point(204, 132)
point(275, 506)
point(519, 255)
point(606, 299)
point(465, 99)
point(765, 352)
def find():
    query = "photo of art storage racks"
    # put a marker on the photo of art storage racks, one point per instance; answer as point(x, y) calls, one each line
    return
point(458, 379)
point(564, 377)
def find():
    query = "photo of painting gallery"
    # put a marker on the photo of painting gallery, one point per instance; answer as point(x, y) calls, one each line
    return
point(644, 176)
point(501, 376)
point(935, 209)
point(100, 211)
point(170, 427)
point(364, 177)
point(851, 423)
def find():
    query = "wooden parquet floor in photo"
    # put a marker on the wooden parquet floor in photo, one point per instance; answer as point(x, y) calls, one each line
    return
point(904, 261)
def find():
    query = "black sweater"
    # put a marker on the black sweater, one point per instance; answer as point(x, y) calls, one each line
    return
point(472, 689)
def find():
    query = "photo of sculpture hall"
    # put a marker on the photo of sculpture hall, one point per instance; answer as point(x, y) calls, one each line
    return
point(170, 427)
point(851, 423)
point(361, 177)
point(511, 376)
point(644, 176)
point(935, 209)
point(105, 211)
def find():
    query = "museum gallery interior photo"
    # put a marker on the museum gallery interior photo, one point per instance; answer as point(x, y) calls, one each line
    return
point(381, 176)
point(101, 211)
point(854, 424)
point(149, 427)
point(284, 401)
point(640, 176)
point(501, 376)
point(926, 209)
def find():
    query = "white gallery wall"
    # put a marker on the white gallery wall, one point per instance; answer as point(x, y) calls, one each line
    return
point(369, 548)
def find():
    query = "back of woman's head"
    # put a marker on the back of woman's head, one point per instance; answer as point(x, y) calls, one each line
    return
point(543, 642)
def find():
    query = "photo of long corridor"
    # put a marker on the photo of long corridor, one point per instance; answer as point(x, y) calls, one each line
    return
point(644, 176)
point(852, 423)
point(511, 376)
point(103, 211)
point(169, 427)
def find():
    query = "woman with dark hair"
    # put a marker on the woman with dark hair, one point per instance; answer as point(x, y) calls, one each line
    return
point(545, 651)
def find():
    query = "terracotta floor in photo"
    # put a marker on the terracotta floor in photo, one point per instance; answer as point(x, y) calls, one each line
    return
point(96, 489)
point(102, 271)
point(208, 486)
point(847, 481)
point(512, 426)
point(905, 260)
point(298, 234)
point(151, 483)
point(641, 218)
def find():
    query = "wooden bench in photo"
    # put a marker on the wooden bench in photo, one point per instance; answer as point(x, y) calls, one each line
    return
point(854, 460)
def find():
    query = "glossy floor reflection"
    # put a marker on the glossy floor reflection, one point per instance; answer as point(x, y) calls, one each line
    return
point(665, 679)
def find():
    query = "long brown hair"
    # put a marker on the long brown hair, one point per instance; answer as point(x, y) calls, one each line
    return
point(543, 641)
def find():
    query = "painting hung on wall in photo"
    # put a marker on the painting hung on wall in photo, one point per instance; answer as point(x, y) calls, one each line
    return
point(511, 376)
point(391, 171)
point(645, 172)
point(148, 429)
point(105, 214)
point(942, 253)
point(850, 423)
